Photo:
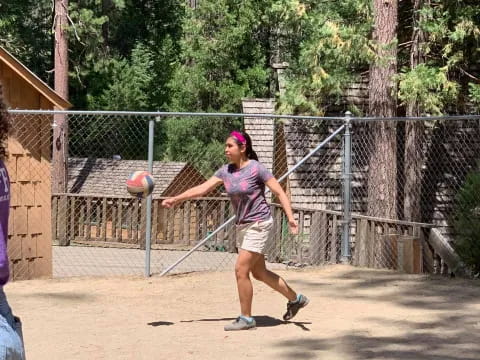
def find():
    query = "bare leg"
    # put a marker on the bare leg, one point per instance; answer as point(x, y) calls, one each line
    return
point(261, 273)
point(245, 262)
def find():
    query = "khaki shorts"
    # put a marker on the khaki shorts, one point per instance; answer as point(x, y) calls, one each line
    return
point(253, 236)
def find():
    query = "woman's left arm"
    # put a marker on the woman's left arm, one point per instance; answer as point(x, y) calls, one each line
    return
point(275, 187)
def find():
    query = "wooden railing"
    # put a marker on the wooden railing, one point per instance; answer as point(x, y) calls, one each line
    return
point(121, 222)
point(391, 244)
point(114, 220)
point(318, 240)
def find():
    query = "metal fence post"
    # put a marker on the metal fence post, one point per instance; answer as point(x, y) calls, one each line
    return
point(347, 182)
point(148, 232)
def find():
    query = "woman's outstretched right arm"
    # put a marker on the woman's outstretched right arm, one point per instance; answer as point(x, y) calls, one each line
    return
point(193, 192)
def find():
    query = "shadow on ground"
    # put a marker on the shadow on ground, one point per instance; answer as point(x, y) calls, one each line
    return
point(452, 334)
point(160, 323)
point(64, 296)
point(262, 321)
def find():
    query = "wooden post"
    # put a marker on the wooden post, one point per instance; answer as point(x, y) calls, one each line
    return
point(120, 221)
point(198, 232)
point(156, 205)
point(371, 243)
point(104, 219)
point(129, 222)
point(186, 221)
point(135, 215)
point(88, 218)
point(232, 234)
point(334, 249)
point(221, 220)
point(98, 213)
point(81, 226)
point(277, 239)
point(181, 219)
point(299, 243)
point(410, 255)
point(204, 219)
point(166, 239)
point(318, 236)
point(55, 238)
point(143, 224)
point(62, 220)
point(114, 219)
point(334, 240)
point(361, 245)
point(170, 225)
point(73, 219)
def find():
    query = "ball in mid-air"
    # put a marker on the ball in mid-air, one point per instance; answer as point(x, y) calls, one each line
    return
point(140, 184)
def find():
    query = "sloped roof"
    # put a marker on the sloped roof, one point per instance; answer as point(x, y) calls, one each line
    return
point(22, 71)
point(108, 177)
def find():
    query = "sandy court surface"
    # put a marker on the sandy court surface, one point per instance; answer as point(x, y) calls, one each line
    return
point(354, 314)
point(95, 261)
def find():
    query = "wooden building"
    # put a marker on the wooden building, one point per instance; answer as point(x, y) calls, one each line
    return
point(98, 210)
point(29, 166)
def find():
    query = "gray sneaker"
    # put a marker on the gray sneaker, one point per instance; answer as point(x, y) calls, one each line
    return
point(241, 323)
point(294, 306)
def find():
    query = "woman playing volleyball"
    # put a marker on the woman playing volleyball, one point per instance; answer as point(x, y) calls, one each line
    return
point(244, 179)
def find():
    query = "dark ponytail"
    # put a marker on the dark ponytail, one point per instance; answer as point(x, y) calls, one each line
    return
point(251, 154)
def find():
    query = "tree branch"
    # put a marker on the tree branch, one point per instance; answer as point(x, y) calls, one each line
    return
point(72, 23)
point(468, 74)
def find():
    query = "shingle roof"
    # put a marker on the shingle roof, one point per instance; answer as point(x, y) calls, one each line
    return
point(261, 130)
point(108, 176)
point(316, 183)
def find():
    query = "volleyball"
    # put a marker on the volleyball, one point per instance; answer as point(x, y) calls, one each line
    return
point(140, 184)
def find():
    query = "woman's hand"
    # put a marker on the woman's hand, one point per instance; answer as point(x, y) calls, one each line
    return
point(293, 226)
point(169, 203)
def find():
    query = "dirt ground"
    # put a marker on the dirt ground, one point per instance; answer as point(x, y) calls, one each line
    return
point(353, 314)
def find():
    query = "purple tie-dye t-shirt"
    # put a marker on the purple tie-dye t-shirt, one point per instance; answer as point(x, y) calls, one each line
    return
point(246, 189)
point(4, 211)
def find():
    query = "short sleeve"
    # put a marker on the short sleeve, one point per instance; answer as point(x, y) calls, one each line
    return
point(220, 173)
point(263, 173)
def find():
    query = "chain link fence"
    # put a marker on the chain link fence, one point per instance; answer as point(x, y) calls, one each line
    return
point(413, 173)
point(68, 172)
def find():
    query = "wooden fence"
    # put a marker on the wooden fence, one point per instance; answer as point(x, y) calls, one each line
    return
point(121, 222)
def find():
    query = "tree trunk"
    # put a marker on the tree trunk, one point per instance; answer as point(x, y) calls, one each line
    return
point(414, 130)
point(60, 132)
point(382, 181)
point(107, 7)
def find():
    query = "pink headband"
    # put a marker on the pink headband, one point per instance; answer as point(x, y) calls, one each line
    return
point(239, 137)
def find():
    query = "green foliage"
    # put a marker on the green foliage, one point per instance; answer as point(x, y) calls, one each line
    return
point(333, 50)
point(162, 55)
point(109, 40)
point(467, 222)
point(223, 57)
point(200, 141)
point(452, 31)
point(130, 83)
point(474, 95)
point(224, 51)
point(26, 32)
point(428, 86)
